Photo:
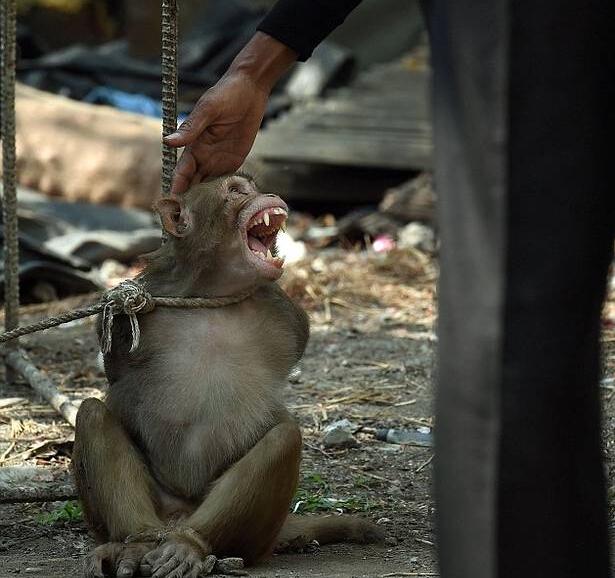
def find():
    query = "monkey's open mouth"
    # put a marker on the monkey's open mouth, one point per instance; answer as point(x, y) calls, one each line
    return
point(261, 231)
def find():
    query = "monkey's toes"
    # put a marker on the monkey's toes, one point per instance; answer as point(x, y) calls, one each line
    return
point(176, 559)
point(115, 559)
point(129, 559)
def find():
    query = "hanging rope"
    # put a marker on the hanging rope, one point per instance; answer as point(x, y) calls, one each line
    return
point(9, 200)
point(128, 298)
point(169, 90)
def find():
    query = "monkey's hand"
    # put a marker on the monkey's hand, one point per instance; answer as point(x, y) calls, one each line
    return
point(116, 559)
point(181, 554)
point(219, 132)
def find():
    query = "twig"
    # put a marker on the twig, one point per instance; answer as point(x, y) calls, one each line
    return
point(19, 361)
point(327, 305)
point(424, 464)
point(402, 403)
point(7, 452)
point(11, 401)
point(368, 475)
point(317, 449)
point(347, 305)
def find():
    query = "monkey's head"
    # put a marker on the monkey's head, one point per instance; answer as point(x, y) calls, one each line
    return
point(227, 227)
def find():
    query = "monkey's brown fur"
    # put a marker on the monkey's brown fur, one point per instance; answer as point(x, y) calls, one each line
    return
point(193, 452)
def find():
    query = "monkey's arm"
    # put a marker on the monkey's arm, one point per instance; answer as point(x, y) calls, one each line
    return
point(296, 318)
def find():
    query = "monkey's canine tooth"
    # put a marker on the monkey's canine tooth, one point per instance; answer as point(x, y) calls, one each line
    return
point(269, 255)
point(266, 219)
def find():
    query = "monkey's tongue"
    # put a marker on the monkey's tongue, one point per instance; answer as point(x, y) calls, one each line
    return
point(256, 245)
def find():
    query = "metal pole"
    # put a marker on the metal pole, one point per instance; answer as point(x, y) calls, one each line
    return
point(169, 90)
point(9, 202)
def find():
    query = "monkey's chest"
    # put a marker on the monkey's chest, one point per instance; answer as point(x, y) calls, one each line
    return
point(203, 399)
point(188, 446)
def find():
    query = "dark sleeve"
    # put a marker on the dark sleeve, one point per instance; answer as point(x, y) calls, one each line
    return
point(304, 24)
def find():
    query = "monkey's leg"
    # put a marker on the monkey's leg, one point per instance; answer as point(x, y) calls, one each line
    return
point(246, 507)
point(115, 489)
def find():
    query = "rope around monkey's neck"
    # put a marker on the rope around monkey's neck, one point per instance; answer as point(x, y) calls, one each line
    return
point(127, 298)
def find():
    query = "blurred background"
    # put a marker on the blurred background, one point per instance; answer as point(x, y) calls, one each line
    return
point(346, 138)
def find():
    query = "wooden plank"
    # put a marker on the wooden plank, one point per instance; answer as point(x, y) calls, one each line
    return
point(381, 120)
point(316, 147)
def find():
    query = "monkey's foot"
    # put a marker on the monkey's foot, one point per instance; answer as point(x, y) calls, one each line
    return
point(116, 559)
point(177, 558)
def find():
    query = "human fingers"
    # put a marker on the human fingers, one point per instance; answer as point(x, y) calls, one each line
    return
point(197, 121)
point(185, 170)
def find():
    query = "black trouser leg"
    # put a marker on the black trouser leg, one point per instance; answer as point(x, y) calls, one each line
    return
point(523, 94)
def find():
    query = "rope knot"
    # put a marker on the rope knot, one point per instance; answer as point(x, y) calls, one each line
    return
point(128, 298)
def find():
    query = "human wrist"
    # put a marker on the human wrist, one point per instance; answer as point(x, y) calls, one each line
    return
point(264, 60)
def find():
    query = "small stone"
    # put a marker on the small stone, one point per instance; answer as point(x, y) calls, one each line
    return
point(208, 565)
point(295, 375)
point(383, 521)
point(339, 435)
point(232, 566)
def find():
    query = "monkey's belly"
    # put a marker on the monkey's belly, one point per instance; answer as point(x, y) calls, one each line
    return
point(186, 458)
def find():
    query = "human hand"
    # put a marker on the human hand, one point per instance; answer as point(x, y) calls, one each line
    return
point(220, 131)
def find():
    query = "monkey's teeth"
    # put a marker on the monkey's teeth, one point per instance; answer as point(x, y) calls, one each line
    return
point(266, 219)
point(283, 226)
point(269, 255)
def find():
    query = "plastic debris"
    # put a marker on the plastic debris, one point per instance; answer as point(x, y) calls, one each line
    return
point(412, 437)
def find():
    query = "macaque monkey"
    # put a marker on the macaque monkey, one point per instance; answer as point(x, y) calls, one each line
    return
point(193, 452)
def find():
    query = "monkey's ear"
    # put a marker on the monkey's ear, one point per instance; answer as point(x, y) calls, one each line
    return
point(173, 215)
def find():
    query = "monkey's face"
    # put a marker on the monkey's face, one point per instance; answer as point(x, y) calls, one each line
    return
point(228, 225)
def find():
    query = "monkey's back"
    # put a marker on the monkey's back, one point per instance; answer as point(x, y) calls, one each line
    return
point(204, 385)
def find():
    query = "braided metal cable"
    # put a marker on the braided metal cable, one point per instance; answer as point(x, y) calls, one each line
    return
point(9, 201)
point(169, 90)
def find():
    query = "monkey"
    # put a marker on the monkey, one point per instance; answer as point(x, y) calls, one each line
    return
point(192, 452)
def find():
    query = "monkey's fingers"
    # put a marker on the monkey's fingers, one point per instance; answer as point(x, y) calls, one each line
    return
point(178, 560)
point(147, 563)
point(181, 571)
point(129, 559)
point(101, 561)
point(163, 560)
point(92, 566)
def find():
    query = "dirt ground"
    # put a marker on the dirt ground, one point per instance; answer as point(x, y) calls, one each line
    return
point(370, 360)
